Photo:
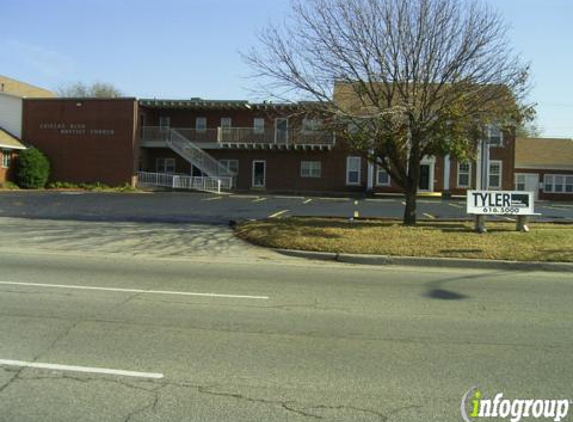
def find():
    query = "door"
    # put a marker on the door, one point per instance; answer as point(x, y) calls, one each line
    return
point(259, 174)
point(527, 182)
point(281, 131)
point(425, 177)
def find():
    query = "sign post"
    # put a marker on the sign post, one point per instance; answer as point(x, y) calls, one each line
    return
point(508, 203)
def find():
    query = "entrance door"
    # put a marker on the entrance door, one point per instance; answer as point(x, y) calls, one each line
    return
point(425, 177)
point(527, 182)
point(259, 174)
point(281, 131)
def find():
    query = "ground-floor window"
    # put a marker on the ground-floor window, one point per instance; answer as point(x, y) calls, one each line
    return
point(495, 174)
point(232, 165)
point(6, 158)
point(382, 177)
point(165, 165)
point(353, 165)
point(520, 182)
point(464, 175)
point(310, 169)
point(558, 183)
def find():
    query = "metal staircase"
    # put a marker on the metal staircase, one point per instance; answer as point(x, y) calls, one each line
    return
point(196, 156)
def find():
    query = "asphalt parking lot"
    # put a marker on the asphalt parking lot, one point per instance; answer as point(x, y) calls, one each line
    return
point(191, 207)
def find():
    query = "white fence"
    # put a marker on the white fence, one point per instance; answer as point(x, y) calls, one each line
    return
point(179, 181)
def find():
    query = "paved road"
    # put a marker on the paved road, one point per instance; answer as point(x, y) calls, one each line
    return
point(191, 207)
point(312, 341)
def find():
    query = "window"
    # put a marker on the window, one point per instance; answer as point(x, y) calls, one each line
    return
point(164, 122)
point(201, 124)
point(6, 158)
point(382, 177)
point(495, 174)
point(232, 165)
point(558, 183)
point(310, 169)
point(259, 125)
point(464, 175)
point(353, 170)
point(310, 125)
point(520, 182)
point(165, 165)
point(495, 136)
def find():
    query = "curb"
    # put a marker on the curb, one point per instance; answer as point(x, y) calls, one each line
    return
point(429, 262)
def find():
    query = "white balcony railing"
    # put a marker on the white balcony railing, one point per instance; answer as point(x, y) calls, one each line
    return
point(244, 135)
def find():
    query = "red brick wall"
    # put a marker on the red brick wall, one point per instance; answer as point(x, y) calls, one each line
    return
point(86, 140)
point(550, 196)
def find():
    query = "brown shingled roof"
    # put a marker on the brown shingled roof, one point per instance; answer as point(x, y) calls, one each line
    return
point(544, 153)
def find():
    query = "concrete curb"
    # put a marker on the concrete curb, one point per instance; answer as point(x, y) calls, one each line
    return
point(429, 262)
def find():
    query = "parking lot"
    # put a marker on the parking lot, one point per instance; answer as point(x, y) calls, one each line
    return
point(188, 207)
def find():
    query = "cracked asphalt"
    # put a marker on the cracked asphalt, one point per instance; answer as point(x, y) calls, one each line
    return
point(333, 342)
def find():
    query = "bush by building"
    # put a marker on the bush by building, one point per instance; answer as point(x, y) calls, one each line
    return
point(32, 169)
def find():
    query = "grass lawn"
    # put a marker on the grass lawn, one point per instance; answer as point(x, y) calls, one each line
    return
point(545, 241)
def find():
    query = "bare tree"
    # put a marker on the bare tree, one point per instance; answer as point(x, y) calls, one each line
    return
point(401, 79)
point(95, 90)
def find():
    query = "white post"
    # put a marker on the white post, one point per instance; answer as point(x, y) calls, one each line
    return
point(218, 185)
point(446, 173)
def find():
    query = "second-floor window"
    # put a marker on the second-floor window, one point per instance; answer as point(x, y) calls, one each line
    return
point(310, 125)
point(226, 123)
point(201, 124)
point(259, 125)
point(164, 122)
point(495, 136)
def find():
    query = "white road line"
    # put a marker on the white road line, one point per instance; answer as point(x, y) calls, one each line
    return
point(455, 205)
point(430, 216)
point(117, 289)
point(307, 201)
point(260, 200)
point(288, 197)
point(212, 199)
point(355, 202)
point(325, 198)
point(86, 369)
point(278, 214)
point(356, 214)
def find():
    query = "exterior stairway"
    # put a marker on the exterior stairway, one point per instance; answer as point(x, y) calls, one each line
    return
point(196, 156)
point(216, 177)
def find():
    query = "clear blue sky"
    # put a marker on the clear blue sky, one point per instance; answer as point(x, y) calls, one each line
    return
point(190, 48)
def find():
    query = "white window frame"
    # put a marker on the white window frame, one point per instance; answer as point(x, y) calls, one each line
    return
point(6, 158)
point(550, 180)
point(231, 164)
point(164, 122)
point(310, 125)
point(358, 160)
point(490, 129)
point(226, 123)
point(311, 169)
point(162, 164)
point(489, 174)
point(200, 124)
point(259, 125)
point(520, 179)
point(264, 174)
point(462, 173)
point(379, 170)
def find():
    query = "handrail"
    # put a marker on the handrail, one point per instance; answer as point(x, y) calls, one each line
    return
point(246, 135)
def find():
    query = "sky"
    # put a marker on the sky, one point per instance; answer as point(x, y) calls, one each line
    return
point(191, 48)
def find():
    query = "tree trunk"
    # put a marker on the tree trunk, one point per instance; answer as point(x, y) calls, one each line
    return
point(410, 209)
point(412, 181)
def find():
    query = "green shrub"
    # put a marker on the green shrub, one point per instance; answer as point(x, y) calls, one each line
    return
point(32, 169)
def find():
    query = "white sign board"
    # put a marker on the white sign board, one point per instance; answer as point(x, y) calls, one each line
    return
point(499, 202)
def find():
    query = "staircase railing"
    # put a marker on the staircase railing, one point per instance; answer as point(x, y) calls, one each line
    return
point(196, 156)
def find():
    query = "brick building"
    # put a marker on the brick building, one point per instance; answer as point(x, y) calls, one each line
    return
point(255, 146)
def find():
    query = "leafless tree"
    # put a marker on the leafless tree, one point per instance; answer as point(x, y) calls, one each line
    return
point(95, 90)
point(401, 79)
